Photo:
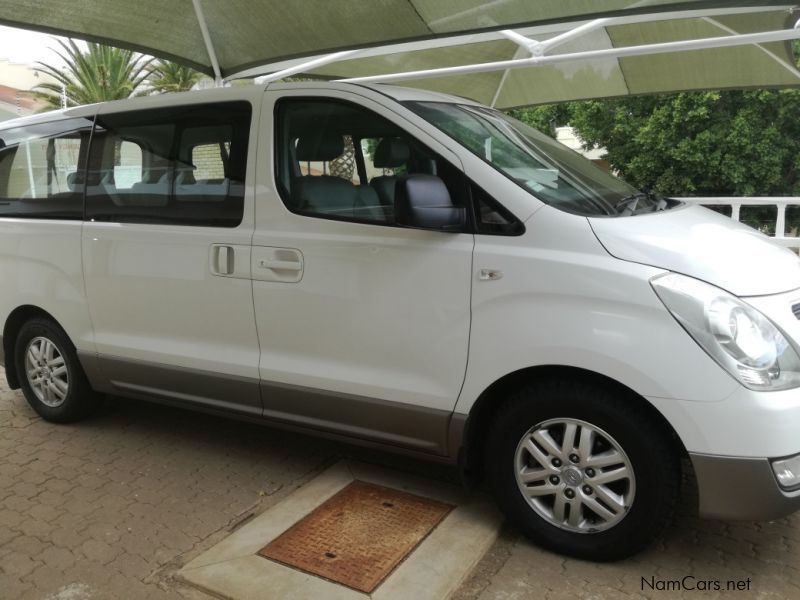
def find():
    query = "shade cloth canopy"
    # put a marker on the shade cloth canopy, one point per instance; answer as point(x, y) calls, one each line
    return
point(226, 38)
point(746, 66)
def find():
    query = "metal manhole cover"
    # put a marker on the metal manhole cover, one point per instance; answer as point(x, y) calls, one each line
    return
point(359, 535)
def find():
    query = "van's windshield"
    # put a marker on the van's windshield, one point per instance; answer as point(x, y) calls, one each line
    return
point(546, 168)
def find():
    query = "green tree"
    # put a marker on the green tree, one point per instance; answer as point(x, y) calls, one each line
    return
point(545, 117)
point(96, 74)
point(730, 143)
point(166, 76)
point(737, 143)
point(733, 143)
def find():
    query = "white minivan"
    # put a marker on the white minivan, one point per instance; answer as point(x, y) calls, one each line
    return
point(415, 272)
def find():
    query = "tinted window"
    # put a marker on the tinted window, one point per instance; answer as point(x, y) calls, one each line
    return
point(183, 165)
point(339, 160)
point(491, 217)
point(129, 168)
point(41, 169)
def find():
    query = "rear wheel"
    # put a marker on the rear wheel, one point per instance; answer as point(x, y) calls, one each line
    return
point(582, 471)
point(50, 374)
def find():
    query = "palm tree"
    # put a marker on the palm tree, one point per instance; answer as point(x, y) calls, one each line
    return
point(96, 74)
point(167, 76)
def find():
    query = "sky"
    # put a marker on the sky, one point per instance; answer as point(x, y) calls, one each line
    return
point(17, 45)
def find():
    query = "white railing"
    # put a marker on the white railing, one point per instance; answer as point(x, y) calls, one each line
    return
point(736, 203)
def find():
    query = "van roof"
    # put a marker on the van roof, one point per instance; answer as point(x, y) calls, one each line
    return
point(400, 94)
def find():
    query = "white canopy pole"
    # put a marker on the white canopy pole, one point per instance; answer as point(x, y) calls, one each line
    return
point(462, 39)
point(212, 54)
point(311, 64)
point(535, 61)
point(522, 41)
point(537, 48)
point(573, 33)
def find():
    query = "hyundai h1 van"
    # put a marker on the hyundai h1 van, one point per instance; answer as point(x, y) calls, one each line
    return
point(411, 271)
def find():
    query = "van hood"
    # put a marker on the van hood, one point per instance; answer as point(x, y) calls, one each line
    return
point(703, 244)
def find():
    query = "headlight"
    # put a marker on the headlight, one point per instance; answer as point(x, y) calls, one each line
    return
point(742, 340)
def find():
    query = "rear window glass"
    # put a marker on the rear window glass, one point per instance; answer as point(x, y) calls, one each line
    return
point(41, 169)
point(181, 166)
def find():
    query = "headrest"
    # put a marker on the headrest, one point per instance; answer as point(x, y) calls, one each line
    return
point(74, 180)
point(322, 147)
point(427, 166)
point(391, 153)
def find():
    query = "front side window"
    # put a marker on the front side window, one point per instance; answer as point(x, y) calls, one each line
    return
point(549, 170)
point(41, 169)
point(337, 160)
point(181, 166)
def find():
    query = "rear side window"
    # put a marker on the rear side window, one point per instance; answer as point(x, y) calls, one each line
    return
point(41, 169)
point(129, 170)
point(180, 166)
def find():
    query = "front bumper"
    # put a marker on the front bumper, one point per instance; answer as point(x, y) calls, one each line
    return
point(741, 489)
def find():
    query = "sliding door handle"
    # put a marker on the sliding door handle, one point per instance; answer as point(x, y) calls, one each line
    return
point(222, 259)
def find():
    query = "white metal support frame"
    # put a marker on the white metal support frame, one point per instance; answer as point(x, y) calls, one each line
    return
point(308, 65)
point(521, 36)
point(212, 54)
point(538, 58)
point(539, 48)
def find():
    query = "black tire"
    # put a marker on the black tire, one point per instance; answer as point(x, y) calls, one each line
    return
point(79, 400)
point(651, 452)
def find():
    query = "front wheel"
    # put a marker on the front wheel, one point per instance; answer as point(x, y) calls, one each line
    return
point(582, 471)
point(50, 375)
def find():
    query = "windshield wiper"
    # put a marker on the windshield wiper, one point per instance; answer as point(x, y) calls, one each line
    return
point(630, 202)
point(661, 203)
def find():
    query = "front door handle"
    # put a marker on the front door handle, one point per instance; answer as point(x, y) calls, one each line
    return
point(284, 265)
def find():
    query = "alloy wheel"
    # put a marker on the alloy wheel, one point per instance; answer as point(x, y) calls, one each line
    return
point(46, 370)
point(574, 475)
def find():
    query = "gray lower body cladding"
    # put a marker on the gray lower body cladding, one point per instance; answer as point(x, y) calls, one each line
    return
point(394, 424)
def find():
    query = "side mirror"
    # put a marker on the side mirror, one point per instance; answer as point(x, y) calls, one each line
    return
point(422, 201)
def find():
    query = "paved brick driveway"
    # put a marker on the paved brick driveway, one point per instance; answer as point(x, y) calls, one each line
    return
point(109, 508)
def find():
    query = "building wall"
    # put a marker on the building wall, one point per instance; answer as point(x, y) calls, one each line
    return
point(16, 81)
point(20, 76)
point(568, 137)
